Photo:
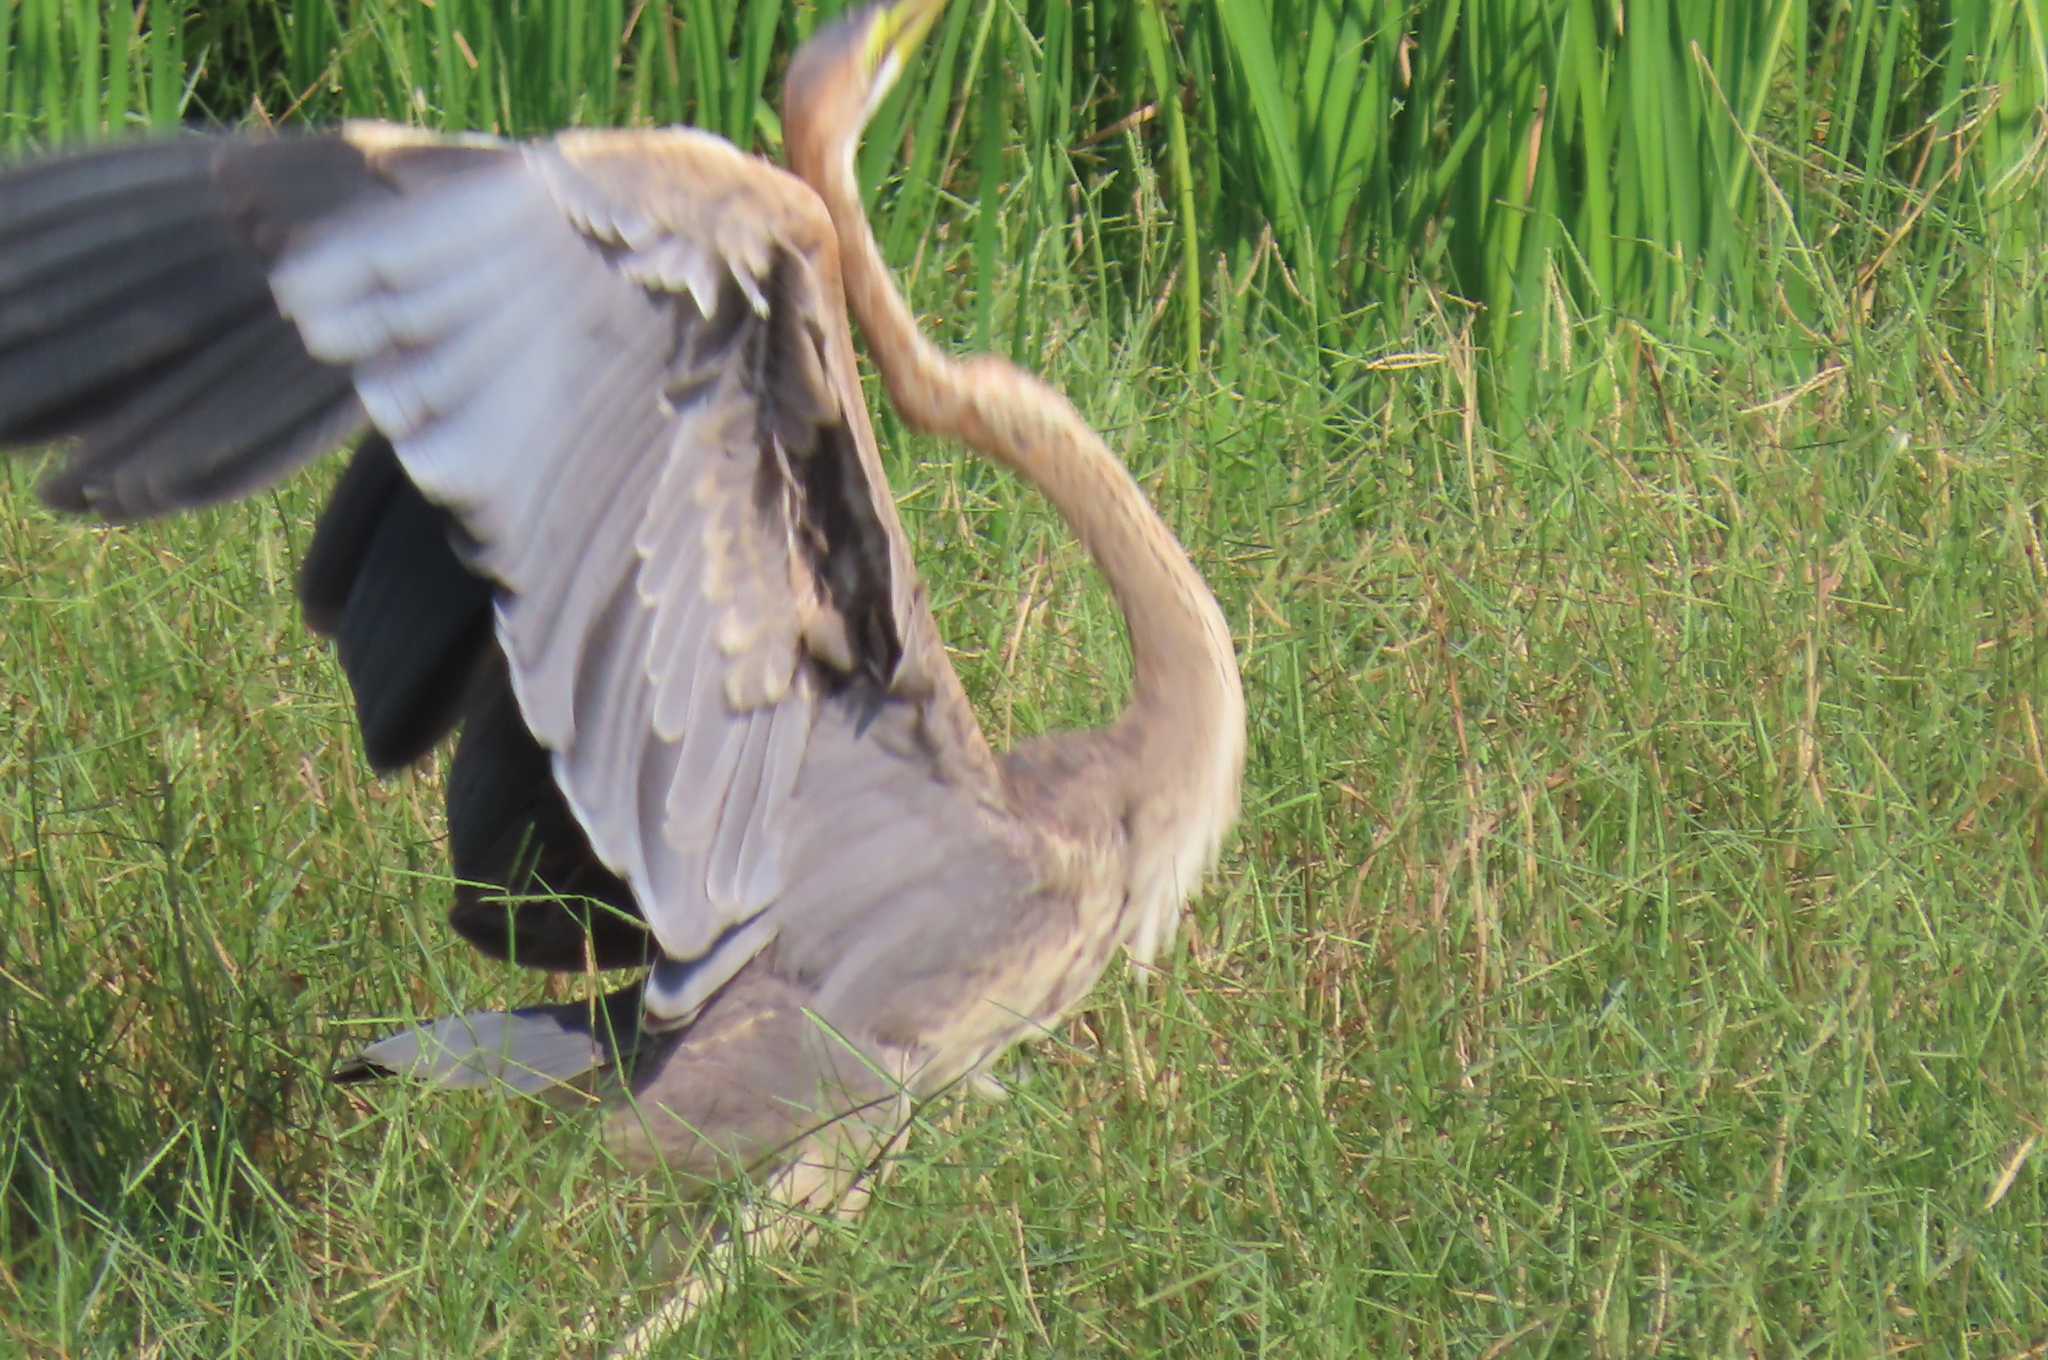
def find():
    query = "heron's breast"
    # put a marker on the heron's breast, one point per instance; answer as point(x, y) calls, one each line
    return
point(1026, 994)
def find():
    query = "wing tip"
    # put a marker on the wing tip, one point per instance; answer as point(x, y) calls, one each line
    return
point(76, 488)
point(360, 1071)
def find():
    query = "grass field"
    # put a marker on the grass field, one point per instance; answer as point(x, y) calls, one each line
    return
point(1636, 942)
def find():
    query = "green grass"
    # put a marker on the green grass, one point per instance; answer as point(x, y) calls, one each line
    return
point(1636, 942)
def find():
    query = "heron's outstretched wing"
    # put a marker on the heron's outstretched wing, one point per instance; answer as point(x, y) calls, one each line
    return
point(615, 368)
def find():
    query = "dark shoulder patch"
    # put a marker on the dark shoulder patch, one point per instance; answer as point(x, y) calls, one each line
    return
point(837, 527)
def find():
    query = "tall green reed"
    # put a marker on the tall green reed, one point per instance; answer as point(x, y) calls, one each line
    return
point(1557, 164)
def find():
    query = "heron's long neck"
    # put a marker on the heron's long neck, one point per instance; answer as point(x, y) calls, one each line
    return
point(1186, 710)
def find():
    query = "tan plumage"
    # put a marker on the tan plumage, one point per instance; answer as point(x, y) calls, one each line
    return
point(620, 515)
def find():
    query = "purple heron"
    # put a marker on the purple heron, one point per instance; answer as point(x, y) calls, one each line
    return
point(616, 514)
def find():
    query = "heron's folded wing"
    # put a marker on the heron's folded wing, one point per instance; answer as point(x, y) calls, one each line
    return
point(619, 361)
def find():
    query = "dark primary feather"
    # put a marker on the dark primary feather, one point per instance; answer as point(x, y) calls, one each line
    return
point(341, 536)
point(510, 829)
point(135, 314)
point(411, 623)
point(66, 187)
point(412, 628)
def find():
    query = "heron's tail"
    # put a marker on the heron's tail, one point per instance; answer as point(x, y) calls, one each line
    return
point(529, 1050)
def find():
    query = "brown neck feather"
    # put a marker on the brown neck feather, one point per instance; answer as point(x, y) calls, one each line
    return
point(1186, 713)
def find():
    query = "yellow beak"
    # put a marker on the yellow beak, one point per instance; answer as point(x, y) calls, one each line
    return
point(899, 29)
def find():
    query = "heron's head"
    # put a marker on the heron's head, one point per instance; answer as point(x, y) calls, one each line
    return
point(838, 78)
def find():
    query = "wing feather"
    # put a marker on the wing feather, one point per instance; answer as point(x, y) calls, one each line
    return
point(681, 735)
point(742, 806)
point(620, 361)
